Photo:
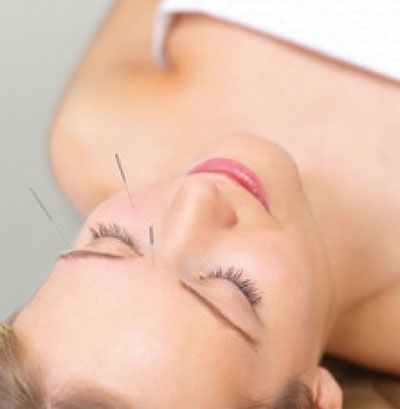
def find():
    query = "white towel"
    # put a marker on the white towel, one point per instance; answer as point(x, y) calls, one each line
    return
point(364, 33)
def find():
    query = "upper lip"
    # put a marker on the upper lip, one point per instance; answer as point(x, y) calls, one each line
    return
point(236, 171)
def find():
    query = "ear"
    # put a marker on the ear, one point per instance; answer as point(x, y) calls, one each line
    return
point(327, 392)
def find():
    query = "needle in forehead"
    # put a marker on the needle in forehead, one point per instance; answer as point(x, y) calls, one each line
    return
point(47, 213)
point(121, 170)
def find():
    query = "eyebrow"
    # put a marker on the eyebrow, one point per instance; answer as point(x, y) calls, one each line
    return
point(220, 315)
point(85, 254)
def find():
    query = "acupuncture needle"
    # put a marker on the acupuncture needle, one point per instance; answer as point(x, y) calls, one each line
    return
point(151, 239)
point(121, 170)
point(151, 233)
point(47, 213)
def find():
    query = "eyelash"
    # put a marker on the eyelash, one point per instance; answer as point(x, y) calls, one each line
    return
point(245, 285)
point(115, 231)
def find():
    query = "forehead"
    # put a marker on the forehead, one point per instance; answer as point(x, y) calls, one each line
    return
point(165, 341)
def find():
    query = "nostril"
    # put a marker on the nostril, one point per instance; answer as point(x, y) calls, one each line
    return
point(228, 215)
point(202, 199)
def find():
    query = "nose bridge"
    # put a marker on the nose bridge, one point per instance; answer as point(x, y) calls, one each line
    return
point(197, 213)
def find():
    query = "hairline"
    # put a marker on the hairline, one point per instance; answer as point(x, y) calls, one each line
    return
point(79, 393)
point(84, 393)
point(96, 396)
point(90, 394)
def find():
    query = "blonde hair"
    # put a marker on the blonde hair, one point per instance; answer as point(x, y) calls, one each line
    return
point(21, 386)
point(19, 389)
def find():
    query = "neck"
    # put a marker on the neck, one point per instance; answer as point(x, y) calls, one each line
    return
point(340, 289)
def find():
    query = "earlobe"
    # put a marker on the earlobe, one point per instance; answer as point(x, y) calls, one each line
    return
point(327, 392)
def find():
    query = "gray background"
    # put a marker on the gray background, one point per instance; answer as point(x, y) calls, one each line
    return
point(41, 43)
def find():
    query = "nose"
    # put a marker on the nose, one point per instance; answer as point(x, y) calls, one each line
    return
point(198, 214)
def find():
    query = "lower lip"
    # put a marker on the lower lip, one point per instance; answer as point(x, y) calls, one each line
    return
point(236, 171)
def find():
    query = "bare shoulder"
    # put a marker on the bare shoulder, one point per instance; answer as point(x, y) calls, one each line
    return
point(129, 115)
point(100, 112)
point(369, 334)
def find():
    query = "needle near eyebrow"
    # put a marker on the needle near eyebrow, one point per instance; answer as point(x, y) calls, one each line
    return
point(47, 213)
point(121, 170)
point(151, 239)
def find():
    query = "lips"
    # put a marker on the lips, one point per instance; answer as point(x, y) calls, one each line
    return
point(237, 172)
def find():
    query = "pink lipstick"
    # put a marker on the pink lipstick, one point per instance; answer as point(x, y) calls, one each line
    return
point(237, 172)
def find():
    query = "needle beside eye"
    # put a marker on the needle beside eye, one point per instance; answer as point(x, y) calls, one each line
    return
point(47, 213)
point(151, 239)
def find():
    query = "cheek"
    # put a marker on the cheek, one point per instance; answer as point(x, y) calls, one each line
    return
point(284, 277)
point(120, 205)
point(115, 210)
point(135, 214)
point(282, 267)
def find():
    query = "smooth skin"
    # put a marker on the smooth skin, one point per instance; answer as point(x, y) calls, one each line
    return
point(321, 135)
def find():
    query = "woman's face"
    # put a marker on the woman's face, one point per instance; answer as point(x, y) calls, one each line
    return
point(143, 323)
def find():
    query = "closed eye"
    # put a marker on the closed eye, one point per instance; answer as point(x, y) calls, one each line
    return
point(246, 286)
point(115, 231)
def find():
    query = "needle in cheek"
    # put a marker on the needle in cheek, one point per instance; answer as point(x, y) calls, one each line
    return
point(121, 171)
